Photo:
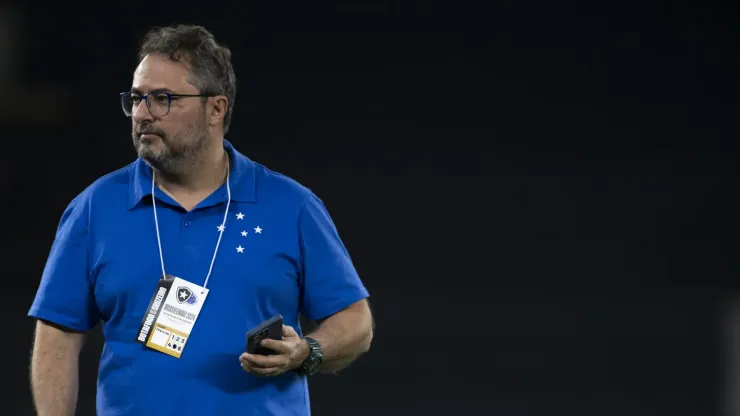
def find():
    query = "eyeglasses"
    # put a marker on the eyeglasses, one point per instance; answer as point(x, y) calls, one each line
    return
point(158, 102)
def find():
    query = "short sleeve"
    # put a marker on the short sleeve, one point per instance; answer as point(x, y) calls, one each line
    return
point(330, 282)
point(65, 294)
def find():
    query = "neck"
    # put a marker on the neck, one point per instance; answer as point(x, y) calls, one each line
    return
point(200, 176)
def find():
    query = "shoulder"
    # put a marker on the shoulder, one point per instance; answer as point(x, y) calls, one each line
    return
point(106, 186)
point(104, 190)
point(274, 186)
point(74, 223)
point(289, 197)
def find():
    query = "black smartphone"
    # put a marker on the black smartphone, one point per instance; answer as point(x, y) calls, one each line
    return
point(271, 328)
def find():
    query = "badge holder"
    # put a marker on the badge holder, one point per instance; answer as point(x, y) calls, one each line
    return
point(176, 303)
point(171, 315)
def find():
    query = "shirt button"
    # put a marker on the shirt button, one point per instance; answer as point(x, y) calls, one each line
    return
point(188, 223)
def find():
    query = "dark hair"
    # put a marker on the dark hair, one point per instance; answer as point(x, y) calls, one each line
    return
point(210, 63)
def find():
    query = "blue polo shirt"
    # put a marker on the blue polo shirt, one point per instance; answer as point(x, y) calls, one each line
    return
point(280, 253)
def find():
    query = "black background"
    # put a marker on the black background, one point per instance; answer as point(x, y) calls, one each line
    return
point(540, 196)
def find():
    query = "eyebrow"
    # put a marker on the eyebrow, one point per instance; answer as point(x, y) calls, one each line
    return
point(158, 90)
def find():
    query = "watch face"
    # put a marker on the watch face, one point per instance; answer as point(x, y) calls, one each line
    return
point(315, 357)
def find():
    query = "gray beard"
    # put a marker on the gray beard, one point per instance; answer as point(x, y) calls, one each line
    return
point(174, 161)
point(179, 155)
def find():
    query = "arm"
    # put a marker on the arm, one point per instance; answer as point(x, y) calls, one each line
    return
point(54, 370)
point(64, 309)
point(343, 336)
point(332, 296)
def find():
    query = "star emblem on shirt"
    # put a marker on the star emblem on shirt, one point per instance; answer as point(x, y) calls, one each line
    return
point(221, 228)
point(240, 216)
point(184, 295)
point(244, 233)
point(240, 249)
point(258, 230)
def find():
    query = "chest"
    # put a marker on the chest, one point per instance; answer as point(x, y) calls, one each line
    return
point(252, 267)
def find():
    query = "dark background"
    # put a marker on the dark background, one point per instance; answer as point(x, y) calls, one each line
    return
point(540, 196)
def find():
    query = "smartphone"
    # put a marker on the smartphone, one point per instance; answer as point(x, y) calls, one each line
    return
point(271, 328)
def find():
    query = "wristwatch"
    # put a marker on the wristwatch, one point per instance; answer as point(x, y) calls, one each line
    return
point(310, 365)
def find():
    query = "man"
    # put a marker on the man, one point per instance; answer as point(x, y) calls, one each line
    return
point(184, 251)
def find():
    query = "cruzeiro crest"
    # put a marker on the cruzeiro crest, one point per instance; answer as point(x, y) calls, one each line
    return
point(185, 295)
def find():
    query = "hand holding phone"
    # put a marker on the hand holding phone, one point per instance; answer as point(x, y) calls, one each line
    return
point(271, 328)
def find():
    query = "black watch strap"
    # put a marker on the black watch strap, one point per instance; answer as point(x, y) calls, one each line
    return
point(311, 364)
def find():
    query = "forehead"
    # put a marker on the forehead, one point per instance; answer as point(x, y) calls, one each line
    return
point(159, 72)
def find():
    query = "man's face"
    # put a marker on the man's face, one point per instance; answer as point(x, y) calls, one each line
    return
point(168, 141)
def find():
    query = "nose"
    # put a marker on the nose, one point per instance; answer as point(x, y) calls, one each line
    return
point(141, 112)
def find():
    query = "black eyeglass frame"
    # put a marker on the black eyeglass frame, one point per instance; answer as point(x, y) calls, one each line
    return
point(145, 98)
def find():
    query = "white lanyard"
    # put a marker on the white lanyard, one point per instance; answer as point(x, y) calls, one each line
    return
point(220, 229)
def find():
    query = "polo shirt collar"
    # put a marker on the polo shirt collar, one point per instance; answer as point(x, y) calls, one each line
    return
point(242, 178)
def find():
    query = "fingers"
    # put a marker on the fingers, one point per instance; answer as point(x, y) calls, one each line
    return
point(272, 365)
point(261, 372)
point(288, 331)
point(281, 347)
point(264, 361)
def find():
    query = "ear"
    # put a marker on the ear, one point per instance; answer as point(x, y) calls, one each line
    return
point(217, 107)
